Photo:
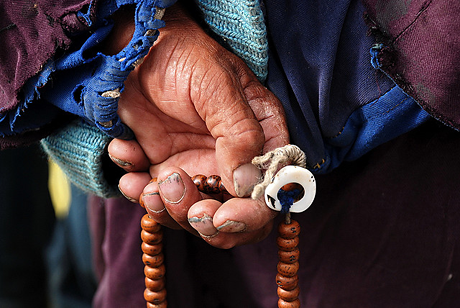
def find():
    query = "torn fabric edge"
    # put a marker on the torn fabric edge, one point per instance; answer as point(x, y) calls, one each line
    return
point(101, 89)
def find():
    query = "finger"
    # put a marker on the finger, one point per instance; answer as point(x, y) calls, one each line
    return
point(178, 193)
point(128, 155)
point(132, 184)
point(239, 136)
point(234, 223)
point(270, 114)
point(200, 217)
point(152, 202)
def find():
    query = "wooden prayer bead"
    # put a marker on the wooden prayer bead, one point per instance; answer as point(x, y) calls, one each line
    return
point(149, 225)
point(161, 305)
point(199, 180)
point(155, 273)
point(154, 285)
point(153, 261)
point(285, 304)
point(288, 295)
point(289, 230)
point(288, 269)
point(289, 256)
point(213, 184)
point(155, 297)
point(152, 250)
point(287, 283)
point(287, 244)
point(151, 238)
point(209, 185)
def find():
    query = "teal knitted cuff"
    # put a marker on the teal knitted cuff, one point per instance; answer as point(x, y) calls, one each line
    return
point(78, 149)
point(241, 25)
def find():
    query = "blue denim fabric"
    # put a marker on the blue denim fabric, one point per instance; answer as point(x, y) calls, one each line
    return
point(85, 84)
point(338, 105)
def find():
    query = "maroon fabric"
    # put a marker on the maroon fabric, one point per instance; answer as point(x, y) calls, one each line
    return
point(31, 32)
point(422, 50)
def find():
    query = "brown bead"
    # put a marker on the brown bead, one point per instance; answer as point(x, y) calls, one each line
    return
point(163, 304)
point(149, 225)
point(199, 180)
point(154, 285)
point(289, 256)
point(212, 184)
point(289, 295)
point(222, 187)
point(155, 297)
point(287, 244)
point(287, 283)
point(288, 269)
point(151, 238)
point(155, 273)
point(284, 304)
point(152, 250)
point(153, 261)
point(289, 231)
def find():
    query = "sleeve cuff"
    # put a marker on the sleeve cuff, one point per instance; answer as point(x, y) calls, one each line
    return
point(78, 149)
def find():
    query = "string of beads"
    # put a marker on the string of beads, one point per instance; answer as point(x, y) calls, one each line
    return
point(154, 270)
point(287, 242)
point(209, 185)
point(288, 265)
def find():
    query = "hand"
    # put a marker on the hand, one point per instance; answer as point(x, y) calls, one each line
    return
point(195, 108)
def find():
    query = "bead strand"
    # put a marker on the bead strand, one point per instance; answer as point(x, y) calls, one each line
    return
point(154, 270)
point(288, 265)
point(209, 185)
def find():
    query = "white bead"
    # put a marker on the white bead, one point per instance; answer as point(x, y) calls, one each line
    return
point(287, 175)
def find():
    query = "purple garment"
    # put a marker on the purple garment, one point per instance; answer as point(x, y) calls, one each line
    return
point(386, 237)
point(35, 30)
point(421, 44)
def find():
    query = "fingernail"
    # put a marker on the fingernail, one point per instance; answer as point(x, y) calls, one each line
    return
point(245, 177)
point(127, 197)
point(120, 162)
point(203, 225)
point(172, 189)
point(231, 226)
point(152, 202)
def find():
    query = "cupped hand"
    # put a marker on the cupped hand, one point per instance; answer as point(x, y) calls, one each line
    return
point(196, 108)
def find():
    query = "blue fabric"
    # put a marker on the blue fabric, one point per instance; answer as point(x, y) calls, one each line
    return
point(85, 84)
point(338, 105)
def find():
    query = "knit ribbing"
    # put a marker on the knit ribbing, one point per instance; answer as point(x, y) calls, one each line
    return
point(78, 149)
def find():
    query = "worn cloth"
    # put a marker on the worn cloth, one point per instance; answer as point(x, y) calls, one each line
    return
point(418, 48)
point(71, 76)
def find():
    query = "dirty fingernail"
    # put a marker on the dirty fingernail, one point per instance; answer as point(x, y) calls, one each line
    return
point(126, 196)
point(231, 226)
point(120, 162)
point(245, 177)
point(172, 189)
point(150, 199)
point(153, 202)
point(203, 225)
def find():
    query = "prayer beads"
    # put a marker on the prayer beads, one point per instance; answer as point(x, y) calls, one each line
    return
point(209, 185)
point(154, 270)
point(288, 265)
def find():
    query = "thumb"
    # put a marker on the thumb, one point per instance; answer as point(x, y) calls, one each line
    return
point(243, 118)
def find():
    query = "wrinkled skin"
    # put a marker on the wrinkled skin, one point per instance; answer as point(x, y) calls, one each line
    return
point(195, 108)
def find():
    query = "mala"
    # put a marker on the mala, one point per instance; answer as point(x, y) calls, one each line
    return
point(291, 190)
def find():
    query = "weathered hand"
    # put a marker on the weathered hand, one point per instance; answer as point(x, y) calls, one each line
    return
point(195, 108)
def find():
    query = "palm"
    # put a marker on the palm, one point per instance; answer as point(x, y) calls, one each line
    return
point(182, 92)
